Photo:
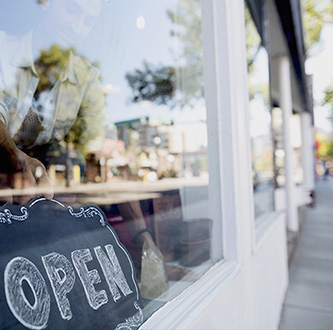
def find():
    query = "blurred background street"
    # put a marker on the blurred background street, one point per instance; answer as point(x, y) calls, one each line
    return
point(309, 299)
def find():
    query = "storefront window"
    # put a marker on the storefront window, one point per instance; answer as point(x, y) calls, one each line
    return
point(279, 153)
point(260, 119)
point(109, 97)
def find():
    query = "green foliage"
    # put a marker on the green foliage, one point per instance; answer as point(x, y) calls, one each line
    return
point(328, 96)
point(187, 29)
point(50, 65)
point(328, 101)
point(316, 14)
point(253, 46)
point(252, 40)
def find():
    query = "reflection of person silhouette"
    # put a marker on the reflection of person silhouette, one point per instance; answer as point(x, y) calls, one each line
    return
point(37, 113)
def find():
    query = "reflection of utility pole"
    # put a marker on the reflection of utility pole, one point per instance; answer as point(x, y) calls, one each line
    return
point(183, 161)
point(68, 167)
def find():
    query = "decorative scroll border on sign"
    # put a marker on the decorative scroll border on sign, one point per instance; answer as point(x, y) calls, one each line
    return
point(133, 321)
point(87, 213)
point(6, 216)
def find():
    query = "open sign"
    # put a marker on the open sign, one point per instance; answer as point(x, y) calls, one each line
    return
point(64, 268)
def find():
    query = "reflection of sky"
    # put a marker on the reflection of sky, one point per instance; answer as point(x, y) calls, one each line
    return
point(126, 47)
point(116, 43)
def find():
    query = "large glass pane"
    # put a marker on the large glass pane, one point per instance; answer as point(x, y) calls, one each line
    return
point(109, 97)
point(260, 119)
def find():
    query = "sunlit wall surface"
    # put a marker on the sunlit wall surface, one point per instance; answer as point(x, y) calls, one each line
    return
point(260, 119)
point(109, 96)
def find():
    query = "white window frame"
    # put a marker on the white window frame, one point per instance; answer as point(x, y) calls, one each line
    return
point(226, 93)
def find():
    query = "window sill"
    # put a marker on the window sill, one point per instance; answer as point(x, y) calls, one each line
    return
point(171, 315)
point(264, 224)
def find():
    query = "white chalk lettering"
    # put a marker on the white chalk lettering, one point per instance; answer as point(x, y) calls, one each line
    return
point(112, 271)
point(62, 278)
point(89, 278)
point(33, 315)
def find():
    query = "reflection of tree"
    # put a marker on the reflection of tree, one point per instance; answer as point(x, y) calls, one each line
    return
point(183, 84)
point(317, 14)
point(252, 39)
point(51, 66)
point(328, 101)
point(153, 83)
point(187, 29)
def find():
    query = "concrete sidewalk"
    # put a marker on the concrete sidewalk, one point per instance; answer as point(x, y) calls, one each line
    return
point(309, 299)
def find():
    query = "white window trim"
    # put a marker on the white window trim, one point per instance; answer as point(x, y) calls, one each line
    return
point(195, 297)
point(226, 94)
point(228, 123)
point(265, 224)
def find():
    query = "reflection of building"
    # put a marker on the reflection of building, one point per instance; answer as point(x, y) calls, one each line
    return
point(141, 132)
point(166, 147)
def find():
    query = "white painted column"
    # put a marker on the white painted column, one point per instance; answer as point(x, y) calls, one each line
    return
point(286, 106)
point(307, 151)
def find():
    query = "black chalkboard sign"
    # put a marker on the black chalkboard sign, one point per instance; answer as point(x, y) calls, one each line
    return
point(64, 268)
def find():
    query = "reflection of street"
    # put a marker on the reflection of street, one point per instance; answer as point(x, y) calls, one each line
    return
point(263, 198)
point(114, 192)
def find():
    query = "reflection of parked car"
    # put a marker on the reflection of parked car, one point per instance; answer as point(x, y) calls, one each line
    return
point(255, 178)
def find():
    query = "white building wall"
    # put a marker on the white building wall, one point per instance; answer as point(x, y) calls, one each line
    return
point(270, 273)
point(246, 289)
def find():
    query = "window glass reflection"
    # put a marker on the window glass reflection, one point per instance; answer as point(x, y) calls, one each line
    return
point(279, 154)
point(296, 141)
point(103, 102)
point(260, 120)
